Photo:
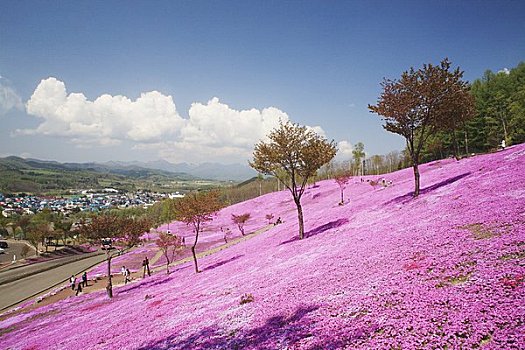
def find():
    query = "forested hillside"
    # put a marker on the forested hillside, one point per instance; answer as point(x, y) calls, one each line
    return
point(500, 115)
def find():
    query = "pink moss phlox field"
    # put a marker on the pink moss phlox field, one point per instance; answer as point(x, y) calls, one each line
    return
point(382, 271)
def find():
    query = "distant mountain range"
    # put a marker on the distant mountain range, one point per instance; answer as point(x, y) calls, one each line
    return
point(185, 171)
point(212, 171)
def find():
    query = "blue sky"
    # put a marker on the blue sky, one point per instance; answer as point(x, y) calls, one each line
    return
point(202, 81)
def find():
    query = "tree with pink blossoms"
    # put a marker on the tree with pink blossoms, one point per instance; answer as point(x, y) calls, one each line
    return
point(240, 220)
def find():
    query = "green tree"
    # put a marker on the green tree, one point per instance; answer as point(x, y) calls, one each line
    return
point(36, 233)
point(421, 103)
point(358, 154)
point(298, 152)
point(23, 222)
point(168, 211)
point(63, 228)
point(500, 110)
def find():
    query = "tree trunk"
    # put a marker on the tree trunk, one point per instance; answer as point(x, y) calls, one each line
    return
point(455, 145)
point(342, 198)
point(195, 259)
point(416, 178)
point(300, 218)
point(193, 250)
point(466, 143)
point(109, 287)
point(504, 127)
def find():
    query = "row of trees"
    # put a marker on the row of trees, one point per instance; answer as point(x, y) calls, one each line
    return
point(42, 229)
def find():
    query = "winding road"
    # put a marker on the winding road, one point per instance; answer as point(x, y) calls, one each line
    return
point(21, 283)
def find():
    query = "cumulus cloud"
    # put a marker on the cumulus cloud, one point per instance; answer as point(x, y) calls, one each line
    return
point(504, 70)
point(9, 99)
point(344, 150)
point(211, 132)
point(106, 120)
point(215, 124)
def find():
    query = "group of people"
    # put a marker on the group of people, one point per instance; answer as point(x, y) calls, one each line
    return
point(126, 273)
point(124, 270)
point(78, 286)
point(145, 269)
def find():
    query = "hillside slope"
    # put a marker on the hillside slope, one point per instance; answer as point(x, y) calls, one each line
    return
point(384, 271)
point(38, 176)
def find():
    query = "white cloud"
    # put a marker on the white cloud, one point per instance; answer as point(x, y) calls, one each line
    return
point(212, 132)
point(344, 150)
point(9, 99)
point(216, 124)
point(504, 70)
point(106, 120)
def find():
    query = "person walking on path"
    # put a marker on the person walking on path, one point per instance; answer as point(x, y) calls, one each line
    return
point(79, 288)
point(84, 279)
point(72, 282)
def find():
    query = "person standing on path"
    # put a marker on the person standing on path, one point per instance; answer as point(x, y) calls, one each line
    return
point(127, 275)
point(145, 265)
point(84, 279)
point(72, 282)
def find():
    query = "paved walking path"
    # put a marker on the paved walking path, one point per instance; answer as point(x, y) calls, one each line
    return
point(15, 292)
point(219, 248)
